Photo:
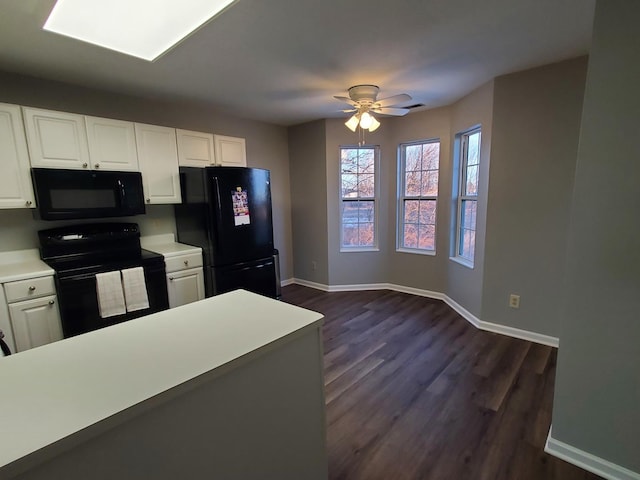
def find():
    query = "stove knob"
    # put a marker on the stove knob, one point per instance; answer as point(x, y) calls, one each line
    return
point(32, 288)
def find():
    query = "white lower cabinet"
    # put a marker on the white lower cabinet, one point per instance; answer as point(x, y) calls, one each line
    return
point(35, 322)
point(185, 286)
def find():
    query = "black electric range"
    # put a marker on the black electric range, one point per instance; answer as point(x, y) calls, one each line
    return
point(77, 253)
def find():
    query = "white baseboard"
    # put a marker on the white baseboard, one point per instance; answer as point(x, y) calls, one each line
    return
point(288, 281)
point(466, 314)
point(587, 461)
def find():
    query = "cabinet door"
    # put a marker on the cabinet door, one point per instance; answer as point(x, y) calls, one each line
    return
point(195, 149)
point(185, 287)
point(56, 139)
point(112, 144)
point(16, 190)
point(230, 151)
point(35, 322)
point(158, 160)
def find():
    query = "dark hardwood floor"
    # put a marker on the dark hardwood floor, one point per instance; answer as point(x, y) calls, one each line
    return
point(415, 392)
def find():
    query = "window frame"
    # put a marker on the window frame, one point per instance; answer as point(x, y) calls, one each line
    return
point(374, 199)
point(402, 197)
point(462, 196)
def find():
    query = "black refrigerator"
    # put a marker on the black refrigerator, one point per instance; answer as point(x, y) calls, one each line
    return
point(227, 212)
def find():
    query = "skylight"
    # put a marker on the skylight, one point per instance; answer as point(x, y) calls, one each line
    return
point(142, 28)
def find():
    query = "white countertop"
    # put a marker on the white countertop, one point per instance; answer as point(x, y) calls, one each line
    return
point(56, 390)
point(166, 245)
point(21, 265)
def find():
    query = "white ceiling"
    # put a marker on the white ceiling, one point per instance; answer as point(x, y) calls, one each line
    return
point(281, 61)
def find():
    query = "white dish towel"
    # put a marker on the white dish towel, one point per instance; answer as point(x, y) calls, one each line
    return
point(135, 289)
point(110, 296)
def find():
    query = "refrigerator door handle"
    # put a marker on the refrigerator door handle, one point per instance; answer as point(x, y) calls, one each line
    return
point(218, 212)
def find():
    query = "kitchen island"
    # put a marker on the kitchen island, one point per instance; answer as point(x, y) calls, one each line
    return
point(229, 387)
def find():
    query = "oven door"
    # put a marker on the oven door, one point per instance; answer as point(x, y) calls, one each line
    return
point(78, 301)
point(71, 194)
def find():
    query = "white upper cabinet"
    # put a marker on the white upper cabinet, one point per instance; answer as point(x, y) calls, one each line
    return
point(158, 160)
point(112, 144)
point(195, 149)
point(56, 139)
point(16, 190)
point(230, 151)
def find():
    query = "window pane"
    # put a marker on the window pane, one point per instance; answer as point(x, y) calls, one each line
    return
point(365, 235)
point(468, 214)
point(349, 160)
point(366, 161)
point(471, 186)
point(467, 244)
point(427, 212)
point(412, 184)
point(349, 184)
point(349, 212)
point(350, 234)
point(410, 236)
point(473, 156)
point(411, 210)
point(427, 237)
point(429, 184)
point(366, 212)
point(431, 156)
point(366, 185)
point(412, 155)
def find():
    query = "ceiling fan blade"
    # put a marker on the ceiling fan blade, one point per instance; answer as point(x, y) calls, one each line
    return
point(345, 100)
point(394, 100)
point(398, 112)
point(351, 110)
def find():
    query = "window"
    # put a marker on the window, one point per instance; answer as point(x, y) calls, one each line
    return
point(467, 207)
point(358, 195)
point(418, 196)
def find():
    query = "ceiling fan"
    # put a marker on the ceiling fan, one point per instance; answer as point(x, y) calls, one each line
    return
point(363, 99)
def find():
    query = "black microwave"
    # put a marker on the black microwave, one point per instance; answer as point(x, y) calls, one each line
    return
point(70, 194)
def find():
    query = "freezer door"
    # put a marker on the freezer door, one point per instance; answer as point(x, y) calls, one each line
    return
point(241, 210)
point(258, 277)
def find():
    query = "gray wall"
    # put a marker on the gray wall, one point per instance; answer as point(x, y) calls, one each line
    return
point(309, 209)
point(536, 123)
point(347, 268)
point(597, 396)
point(427, 272)
point(464, 284)
point(266, 147)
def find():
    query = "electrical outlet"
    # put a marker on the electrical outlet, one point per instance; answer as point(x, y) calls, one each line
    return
point(314, 265)
point(514, 301)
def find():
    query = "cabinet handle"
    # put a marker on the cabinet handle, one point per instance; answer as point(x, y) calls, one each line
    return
point(148, 200)
point(32, 288)
point(51, 302)
point(28, 203)
point(171, 278)
point(186, 262)
point(85, 165)
point(97, 165)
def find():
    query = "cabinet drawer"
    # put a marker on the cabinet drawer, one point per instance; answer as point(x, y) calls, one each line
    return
point(183, 262)
point(32, 288)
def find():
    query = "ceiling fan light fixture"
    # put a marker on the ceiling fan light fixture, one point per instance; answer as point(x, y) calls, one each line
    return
point(352, 123)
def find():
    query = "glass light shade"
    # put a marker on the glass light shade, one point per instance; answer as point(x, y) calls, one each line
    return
point(365, 120)
point(374, 124)
point(352, 123)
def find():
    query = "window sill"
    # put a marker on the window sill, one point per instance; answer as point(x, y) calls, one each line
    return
point(359, 249)
point(431, 253)
point(462, 261)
